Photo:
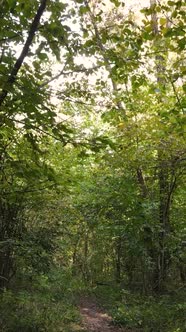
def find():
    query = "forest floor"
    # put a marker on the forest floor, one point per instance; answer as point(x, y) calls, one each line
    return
point(95, 319)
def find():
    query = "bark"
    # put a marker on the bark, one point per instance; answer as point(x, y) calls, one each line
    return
point(142, 184)
point(182, 269)
point(8, 231)
point(118, 259)
point(86, 252)
point(164, 219)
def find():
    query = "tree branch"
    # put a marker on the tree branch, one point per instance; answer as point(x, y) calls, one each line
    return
point(103, 53)
point(24, 53)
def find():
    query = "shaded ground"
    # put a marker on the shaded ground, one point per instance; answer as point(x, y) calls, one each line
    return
point(95, 319)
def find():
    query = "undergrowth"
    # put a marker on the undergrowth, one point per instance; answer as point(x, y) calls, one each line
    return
point(165, 313)
point(43, 304)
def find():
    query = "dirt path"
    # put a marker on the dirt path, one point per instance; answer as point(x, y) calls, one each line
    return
point(95, 319)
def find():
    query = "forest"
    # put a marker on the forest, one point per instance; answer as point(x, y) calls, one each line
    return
point(92, 166)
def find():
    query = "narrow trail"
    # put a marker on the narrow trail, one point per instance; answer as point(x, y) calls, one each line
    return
point(95, 319)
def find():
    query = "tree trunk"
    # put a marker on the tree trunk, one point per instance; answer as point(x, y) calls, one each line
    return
point(162, 257)
point(118, 259)
point(9, 230)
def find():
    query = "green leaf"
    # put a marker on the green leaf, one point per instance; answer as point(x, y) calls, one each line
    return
point(83, 10)
point(43, 56)
point(117, 3)
point(184, 87)
point(171, 3)
point(163, 21)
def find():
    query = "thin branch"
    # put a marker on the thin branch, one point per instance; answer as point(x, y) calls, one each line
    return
point(177, 96)
point(65, 73)
point(54, 77)
point(40, 130)
point(27, 191)
point(10, 38)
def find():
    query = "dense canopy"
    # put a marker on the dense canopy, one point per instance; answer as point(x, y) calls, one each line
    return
point(92, 163)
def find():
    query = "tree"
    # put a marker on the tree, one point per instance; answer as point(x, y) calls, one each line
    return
point(121, 75)
point(146, 111)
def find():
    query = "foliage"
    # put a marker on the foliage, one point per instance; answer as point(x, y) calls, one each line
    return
point(92, 158)
point(151, 314)
point(44, 305)
point(144, 313)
